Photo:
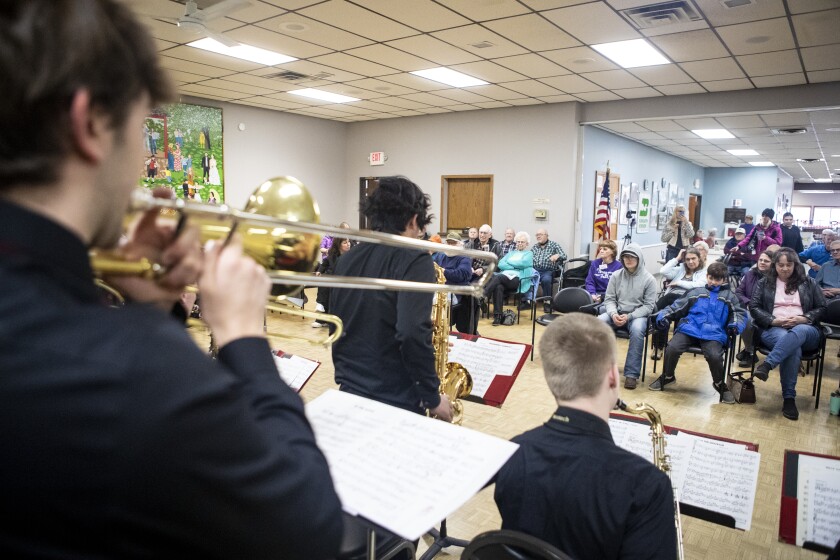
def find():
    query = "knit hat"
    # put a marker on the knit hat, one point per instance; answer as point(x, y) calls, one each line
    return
point(453, 236)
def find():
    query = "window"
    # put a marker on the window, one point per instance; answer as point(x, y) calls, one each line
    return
point(825, 215)
point(801, 215)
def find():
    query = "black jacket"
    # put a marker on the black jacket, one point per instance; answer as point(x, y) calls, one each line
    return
point(792, 237)
point(764, 295)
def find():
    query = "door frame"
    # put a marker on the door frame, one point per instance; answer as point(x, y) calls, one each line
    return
point(444, 196)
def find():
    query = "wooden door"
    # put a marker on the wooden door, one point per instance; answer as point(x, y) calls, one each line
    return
point(467, 201)
point(694, 202)
point(366, 187)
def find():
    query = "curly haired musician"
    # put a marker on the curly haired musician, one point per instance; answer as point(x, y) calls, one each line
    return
point(122, 438)
point(386, 352)
point(568, 483)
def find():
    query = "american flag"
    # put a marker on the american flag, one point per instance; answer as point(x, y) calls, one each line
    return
point(602, 213)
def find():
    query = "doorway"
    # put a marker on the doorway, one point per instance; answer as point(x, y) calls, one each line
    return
point(694, 203)
point(366, 187)
point(466, 201)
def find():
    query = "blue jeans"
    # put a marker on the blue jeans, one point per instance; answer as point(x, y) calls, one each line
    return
point(546, 279)
point(787, 348)
point(637, 328)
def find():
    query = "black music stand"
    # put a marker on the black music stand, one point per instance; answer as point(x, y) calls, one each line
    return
point(442, 540)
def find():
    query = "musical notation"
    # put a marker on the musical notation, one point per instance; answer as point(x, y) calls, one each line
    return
point(819, 501)
point(485, 359)
point(295, 370)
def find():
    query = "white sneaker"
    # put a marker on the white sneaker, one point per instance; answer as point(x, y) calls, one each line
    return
point(317, 325)
point(320, 308)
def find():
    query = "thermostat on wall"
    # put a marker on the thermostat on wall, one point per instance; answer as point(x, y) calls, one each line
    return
point(540, 214)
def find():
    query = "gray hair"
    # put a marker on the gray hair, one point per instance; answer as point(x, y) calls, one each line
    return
point(828, 231)
point(524, 235)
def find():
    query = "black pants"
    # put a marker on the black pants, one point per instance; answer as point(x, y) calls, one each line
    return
point(496, 288)
point(712, 351)
point(660, 338)
point(465, 315)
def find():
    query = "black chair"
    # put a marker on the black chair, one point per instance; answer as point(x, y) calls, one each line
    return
point(573, 276)
point(728, 350)
point(511, 545)
point(814, 356)
point(356, 540)
point(567, 300)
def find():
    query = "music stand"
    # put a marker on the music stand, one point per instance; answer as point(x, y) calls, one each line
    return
point(442, 540)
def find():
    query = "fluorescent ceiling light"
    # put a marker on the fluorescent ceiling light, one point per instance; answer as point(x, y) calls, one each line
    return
point(743, 152)
point(244, 52)
point(816, 192)
point(323, 95)
point(631, 54)
point(713, 133)
point(762, 163)
point(822, 180)
point(449, 77)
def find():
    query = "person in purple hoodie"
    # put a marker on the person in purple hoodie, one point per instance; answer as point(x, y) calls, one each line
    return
point(765, 233)
point(601, 269)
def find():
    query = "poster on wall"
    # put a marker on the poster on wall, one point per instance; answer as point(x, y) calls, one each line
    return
point(654, 206)
point(623, 204)
point(673, 195)
point(661, 220)
point(184, 151)
point(615, 181)
point(643, 223)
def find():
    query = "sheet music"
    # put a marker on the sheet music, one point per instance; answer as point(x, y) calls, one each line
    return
point(295, 370)
point(398, 469)
point(818, 492)
point(722, 477)
point(485, 359)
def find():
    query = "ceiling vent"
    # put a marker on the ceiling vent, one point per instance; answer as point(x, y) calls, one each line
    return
point(661, 14)
point(297, 77)
point(809, 160)
point(482, 45)
point(736, 3)
point(786, 131)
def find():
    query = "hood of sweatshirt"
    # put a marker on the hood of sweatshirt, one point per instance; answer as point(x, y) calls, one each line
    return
point(633, 250)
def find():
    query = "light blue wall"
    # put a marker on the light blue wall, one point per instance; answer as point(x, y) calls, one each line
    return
point(755, 186)
point(634, 163)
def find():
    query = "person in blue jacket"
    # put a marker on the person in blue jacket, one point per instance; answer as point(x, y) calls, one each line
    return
point(707, 316)
point(515, 272)
point(458, 271)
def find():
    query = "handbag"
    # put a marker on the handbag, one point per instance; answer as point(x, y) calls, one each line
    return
point(743, 389)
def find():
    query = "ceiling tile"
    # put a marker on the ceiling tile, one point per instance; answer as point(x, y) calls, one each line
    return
point(430, 99)
point(786, 119)
point(353, 64)
point(413, 82)
point(693, 45)
point(768, 64)
point(403, 103)
point(462, 96)
point(580, 59)
point(532, 88)
point(817, 28)
point(408, 113)
point(236, 86)
point(357, 20)
point(470, 35)
point(483, 10)
point(625, 127)
point(824, 76)
point(728, 85)
point(274, 102)
point(525, 101)
point(314, 32)
point(533, 32)
point(344, 89)
point(214, 93)
point(488, 71)
point(259, 81)
point(212, 59)
point(802, 6)
point(434, 110)
point(532, 65)
point(263, 38)
point(392, 57)
point(717, 69)
point(661, 75)
point(162, 45)
point(614, 79)
point(423, 15)
point(698, 123)
point(318, 70)
point(462, 107)
point(634, 93)
point(821, 58)
point(491, 104)
point(643, 135)
point(758, 36)
point(592, 23)
point(679, 135)
point(551, 4)
point(571, 84)
point(380, 87)
point(825, 116)
point(681, 89)
point(197, 68)
point(780, 80)
point(719, 14)
point(745, 122)
point(434, 50)
point(256, 11)
point(661, 126)
point(558, 98)
point(497, 93)
point(593, 96)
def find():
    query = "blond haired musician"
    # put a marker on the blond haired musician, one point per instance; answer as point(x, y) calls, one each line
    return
point(568, 483)
point(122, 438)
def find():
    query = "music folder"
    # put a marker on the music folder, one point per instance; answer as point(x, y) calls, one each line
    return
point(294, 370)
point(809, 515)
point(493, 365)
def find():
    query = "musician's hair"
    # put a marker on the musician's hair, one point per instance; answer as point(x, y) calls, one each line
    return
point(394, 203)
point(49, 51)
point(576, 351)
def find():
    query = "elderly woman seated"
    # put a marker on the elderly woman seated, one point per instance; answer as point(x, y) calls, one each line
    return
point(788, 305)
point(516, 269)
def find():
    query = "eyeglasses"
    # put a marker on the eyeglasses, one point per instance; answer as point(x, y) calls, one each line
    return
point(834, 250)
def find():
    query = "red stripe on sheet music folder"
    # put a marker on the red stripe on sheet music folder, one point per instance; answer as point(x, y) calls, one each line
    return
point(501, 385)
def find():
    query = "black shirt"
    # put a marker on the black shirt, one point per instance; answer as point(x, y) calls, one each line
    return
point(792, 237)
point(122, 439)
point(570, 485)
point(386, 351)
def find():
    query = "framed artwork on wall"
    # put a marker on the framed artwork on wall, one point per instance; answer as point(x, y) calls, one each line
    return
point(643, 217)
point(623, 204)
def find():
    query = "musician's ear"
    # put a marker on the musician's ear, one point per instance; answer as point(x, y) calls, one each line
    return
point(613, 377)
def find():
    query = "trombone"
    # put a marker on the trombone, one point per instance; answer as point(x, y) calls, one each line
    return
point(280, 230)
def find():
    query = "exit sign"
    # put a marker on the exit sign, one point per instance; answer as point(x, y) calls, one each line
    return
point(377, 158)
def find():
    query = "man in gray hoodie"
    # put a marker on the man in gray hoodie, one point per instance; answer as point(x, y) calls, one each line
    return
point(630, 298)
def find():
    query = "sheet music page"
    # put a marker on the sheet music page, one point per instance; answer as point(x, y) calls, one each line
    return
point(398, 469)
point(635, 437)
point(722, 477)
point(680, 450)
point(818, 492)
point(295, 370)
point(485, 359)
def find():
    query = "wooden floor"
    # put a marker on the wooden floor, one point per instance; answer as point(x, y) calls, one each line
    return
point(691, 404)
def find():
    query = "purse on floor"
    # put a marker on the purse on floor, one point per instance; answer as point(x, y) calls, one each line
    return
point(742, 389)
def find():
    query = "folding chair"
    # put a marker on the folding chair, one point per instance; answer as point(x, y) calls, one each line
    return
point(567, 300)
point(511, 545)
point(728, 355)
point(531, 295)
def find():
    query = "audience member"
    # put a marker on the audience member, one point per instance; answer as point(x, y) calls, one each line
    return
point(516, 270)
point(748, 224)
point(601, 269)
point(122, 438)
point(327, 267)
point(787, 305)
point(485, 243)
point(703, 247)
point(745, 289)
point(738, 263)
point(711, 239)
point(677, 234)
point(548, 259)
point(705, 317)
point(568, 483)
point(765, 233)
point(507, 244)
point(791, 236)
point(458, 272)
point(818, 254)
point(682, 276)
point(472, 241)
point(828, 278)
point(629, 300)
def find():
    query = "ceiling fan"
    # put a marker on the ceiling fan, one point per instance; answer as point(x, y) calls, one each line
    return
point(195, 19)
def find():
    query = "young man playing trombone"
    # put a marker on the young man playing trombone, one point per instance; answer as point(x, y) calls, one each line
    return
point(123, 438)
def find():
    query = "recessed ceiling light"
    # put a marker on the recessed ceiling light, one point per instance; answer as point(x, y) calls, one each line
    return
point(293, 26)
point(816, 192)
point(822, 180)
point(323, 95)
point(832, 129)
point(243, 52)
point(743, 152)
point(631, 54)
point(449, 77)
point(713, 133)
point(762, 163)
point(757, 39)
